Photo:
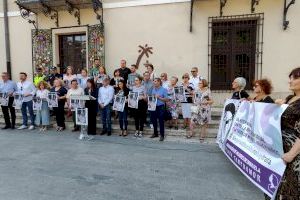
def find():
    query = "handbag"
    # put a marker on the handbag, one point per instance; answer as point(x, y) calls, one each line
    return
point(195, 109)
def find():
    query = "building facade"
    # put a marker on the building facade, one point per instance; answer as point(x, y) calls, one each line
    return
point(225, 39)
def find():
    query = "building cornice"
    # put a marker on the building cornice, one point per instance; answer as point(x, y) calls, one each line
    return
point(124, 4)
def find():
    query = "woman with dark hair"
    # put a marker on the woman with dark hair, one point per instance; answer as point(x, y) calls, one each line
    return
point(116, 79)
point(140, 113)
point(91, 105)
point(262, 88)
point(229, 113)
point(123, 91)
point(290, 127)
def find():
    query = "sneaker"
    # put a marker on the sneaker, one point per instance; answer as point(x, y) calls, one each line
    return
point(136, 134)
point(22, 127)
point(140, 135)
point(31, 127)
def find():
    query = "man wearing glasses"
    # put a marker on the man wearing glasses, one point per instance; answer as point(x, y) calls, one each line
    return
point(195, 78)
point(8, 88)
point(27, 89)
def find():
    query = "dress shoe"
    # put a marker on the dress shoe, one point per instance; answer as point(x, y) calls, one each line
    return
point(5, 127)
point(103, 133)
point(154, 136)
point(161, 138)
point(75, 130)
point(108, 133)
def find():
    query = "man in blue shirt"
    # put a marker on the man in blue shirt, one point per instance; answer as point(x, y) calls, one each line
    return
point(162, 97)
point(8, 88)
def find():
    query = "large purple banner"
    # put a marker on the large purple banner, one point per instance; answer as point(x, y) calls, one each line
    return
point(252, 141)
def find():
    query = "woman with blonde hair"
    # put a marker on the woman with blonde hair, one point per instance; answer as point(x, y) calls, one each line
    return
point(59, 111)
point(201, 114)
point(100, 77)
point(69, 76)
point(43, 116)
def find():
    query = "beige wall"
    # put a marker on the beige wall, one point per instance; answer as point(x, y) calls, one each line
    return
point(165, 27)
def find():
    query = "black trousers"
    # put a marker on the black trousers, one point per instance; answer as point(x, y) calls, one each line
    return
point(10, 120)
point(140, 115)
point(92, 107)
point(59, 113)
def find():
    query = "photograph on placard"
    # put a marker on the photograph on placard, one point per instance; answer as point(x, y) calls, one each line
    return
point(4, 99)
point(18, 100)
point(152, 100)
point(197, 97)
point(76, 103)
point(52, 100)
point(180, 94)
point(133, 100)
point(81, 116)
point(119, 103)
point(37, 103)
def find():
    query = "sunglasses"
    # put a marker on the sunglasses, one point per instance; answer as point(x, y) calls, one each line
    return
point(193, 71)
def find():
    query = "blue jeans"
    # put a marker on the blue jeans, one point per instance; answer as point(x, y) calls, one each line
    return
point(158, 114)
point(106, 118)
point(123, 120)
point(28, 105)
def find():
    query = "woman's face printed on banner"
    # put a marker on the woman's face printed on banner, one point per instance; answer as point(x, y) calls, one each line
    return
point(228, 119)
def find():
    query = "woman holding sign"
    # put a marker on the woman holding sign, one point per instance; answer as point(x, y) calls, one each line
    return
point(122, 91)
point(238, 85)
point(262, 88)
point(91, 105)
point(140, 113)
point(202, 113)
point(290, 126)
point(43, 116)
point(59, 111)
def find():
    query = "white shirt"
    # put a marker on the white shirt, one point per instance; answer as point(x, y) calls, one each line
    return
point(43, 94)
point(78, 91)
point(195, 81)
point(165, 84)
point(26, 88)
point(106, 95)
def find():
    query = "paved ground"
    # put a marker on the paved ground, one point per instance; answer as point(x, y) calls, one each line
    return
point(49, 166)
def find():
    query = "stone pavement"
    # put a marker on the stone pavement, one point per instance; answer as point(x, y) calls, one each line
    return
point(54, 166)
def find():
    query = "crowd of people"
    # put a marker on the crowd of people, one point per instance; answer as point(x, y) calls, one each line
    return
point(190, 98)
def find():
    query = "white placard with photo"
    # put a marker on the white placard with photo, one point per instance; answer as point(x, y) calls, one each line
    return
point(119, 103)
point(76, 103)
point(81, 116)
point(197, 97)
point(179, 94)
point(152, 100)
point(37, 103)
point(52, 100)
point(18, 101)
point(4, 99)
point(133, 100)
